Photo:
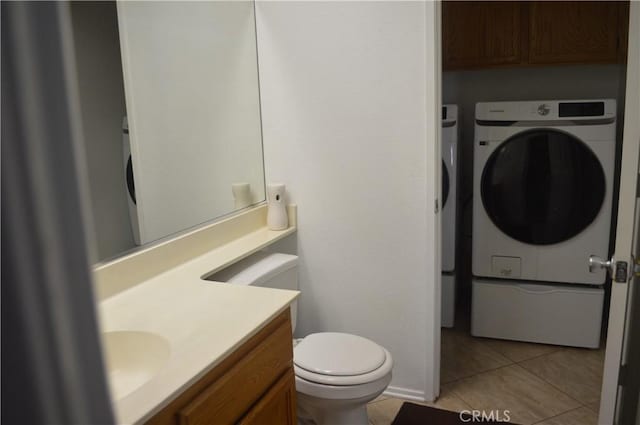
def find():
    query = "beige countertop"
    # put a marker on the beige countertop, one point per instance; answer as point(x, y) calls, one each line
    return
point(202, 321)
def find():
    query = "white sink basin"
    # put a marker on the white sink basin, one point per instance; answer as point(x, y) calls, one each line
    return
point(133, 358)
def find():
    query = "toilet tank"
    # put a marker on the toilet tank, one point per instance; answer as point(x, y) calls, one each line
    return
point(271, 270)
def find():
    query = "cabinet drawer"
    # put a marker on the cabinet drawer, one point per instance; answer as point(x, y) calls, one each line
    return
point(227, 400)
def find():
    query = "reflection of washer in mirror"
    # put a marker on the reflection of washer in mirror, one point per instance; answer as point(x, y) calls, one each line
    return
point(130, 182)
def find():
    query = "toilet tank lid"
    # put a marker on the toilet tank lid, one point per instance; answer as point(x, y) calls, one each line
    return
point(257, 269)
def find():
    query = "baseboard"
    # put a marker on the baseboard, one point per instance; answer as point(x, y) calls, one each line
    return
point(405, 394)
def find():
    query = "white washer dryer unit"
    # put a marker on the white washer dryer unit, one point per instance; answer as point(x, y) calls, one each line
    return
point(449, 185)
point(450, 133)
point(543, 183)
point(548, 314)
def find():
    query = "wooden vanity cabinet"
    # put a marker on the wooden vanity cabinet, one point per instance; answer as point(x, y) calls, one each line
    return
point(277, 406)
point(254, 385)
point(486, 34)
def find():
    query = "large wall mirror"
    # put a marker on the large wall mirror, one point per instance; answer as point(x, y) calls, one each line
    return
point(169, 101)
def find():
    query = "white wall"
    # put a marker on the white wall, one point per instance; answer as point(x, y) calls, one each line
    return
point(99, 71)
point(349, 93)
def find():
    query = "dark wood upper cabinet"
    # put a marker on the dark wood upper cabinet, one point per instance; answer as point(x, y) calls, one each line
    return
point(487, 33)
point(570, 32)
point(484, 34)
point(623, 21)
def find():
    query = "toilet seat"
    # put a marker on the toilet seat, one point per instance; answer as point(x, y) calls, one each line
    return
point(338, 359)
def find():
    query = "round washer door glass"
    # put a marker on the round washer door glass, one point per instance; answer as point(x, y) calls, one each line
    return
point(542, 187)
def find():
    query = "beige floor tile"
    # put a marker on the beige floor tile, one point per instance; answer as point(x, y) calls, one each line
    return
point(518, 351)
point(528, 398)
point(575, 371)
point(464, 355)
point(383, 412)
point(448, 400)
point(595, 406)
point(579, 416)
point(379, 398)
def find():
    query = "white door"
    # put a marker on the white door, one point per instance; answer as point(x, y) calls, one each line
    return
point(619, 400)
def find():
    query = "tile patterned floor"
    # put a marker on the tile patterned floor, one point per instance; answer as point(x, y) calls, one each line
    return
point(538, 384)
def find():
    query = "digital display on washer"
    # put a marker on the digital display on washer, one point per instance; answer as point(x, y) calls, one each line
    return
point(581, 109)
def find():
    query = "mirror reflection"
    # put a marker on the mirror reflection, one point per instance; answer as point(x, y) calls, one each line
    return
point(171, 116)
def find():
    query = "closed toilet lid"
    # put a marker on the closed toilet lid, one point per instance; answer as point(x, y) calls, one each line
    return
point(338, 354)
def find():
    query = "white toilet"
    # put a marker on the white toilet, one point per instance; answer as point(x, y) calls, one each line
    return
point(337, 374)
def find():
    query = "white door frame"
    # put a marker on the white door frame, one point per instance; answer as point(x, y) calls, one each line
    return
point(434, 122)
point(626, 207)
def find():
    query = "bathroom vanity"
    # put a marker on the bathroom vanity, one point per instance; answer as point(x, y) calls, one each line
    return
point(207, 352)
point(254, 385)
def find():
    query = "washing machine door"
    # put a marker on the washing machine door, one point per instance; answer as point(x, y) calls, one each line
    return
point(131, 186)
point(445, 184)
point(542, 186)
